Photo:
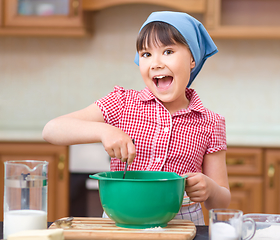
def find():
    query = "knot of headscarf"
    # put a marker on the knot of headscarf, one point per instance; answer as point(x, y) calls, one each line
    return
point(200, 43)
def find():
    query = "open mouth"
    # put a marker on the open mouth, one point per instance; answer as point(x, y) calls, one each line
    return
point(163, 81)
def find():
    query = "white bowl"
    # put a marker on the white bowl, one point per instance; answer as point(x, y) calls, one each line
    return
point(267, 226)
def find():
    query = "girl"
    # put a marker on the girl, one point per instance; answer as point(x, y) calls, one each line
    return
point(172, 130)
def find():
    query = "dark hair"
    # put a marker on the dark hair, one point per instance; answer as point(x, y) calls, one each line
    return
point(158, 32)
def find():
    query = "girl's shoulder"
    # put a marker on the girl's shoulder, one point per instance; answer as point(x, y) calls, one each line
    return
point(214, 115)
point(213, 119)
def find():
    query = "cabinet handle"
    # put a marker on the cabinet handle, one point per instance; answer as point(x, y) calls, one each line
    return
point(236, 185)
point(75, 6)
point(235, 161)
point(61, 166)
point(270, 174)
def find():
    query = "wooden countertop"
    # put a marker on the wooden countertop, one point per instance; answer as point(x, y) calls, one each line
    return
point(201, 234)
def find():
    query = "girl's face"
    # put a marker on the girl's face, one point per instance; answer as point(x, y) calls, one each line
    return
point(166, 72)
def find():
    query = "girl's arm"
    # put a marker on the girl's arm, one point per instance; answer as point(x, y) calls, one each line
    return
point(88, 126)
point(211, 186)
point(75, 128)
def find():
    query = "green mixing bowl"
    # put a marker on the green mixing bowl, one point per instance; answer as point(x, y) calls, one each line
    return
point(144, 199)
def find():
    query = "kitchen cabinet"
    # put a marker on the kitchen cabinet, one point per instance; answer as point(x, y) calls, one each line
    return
point(245, 170)
point(246, 194)
point(255, 19)
point(1, 9)
point(42, 17)
point(272, 181)
point(194, 6)
point(245, 175)
point(243, 19)
point(222, 18)
point(58, 176)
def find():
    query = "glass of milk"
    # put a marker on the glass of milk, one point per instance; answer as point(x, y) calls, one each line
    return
point(228, 224)
point(25, 196)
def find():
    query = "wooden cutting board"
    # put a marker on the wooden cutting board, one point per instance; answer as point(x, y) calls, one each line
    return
point(103, 228)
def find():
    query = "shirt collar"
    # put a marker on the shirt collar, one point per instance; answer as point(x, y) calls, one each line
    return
point(195, 102)
point(146, 95)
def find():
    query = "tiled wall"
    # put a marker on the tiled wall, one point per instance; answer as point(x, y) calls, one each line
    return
point(41, 78)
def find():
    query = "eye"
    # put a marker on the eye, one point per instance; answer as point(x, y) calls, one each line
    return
point(145, 54)
point(167, 52)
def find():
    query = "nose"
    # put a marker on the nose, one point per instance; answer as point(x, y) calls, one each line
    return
point(156, 63)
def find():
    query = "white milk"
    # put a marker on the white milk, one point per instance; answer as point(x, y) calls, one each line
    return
point(223, 231)
point(20, 220)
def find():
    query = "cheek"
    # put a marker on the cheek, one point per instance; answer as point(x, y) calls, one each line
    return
point(141, 71)
point(143, 68)
point(183, 72)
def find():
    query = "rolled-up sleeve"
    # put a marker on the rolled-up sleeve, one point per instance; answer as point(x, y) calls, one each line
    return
point(112, 105)
point(217, 140)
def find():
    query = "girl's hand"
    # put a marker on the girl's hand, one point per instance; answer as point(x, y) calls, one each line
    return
point(118, 144)
point(198, 187)
point(211, 186)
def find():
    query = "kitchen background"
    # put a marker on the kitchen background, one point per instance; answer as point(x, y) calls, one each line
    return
point(44, 77)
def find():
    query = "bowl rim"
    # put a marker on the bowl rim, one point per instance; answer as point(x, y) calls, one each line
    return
point(98, 177)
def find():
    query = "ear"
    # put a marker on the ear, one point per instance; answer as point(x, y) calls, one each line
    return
point(192, 63)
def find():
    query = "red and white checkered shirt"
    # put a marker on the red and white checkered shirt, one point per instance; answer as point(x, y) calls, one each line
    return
point(164, 142)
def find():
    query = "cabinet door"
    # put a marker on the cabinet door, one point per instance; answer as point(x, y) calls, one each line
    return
point(193, 6)
point(246, 194)
point(1, 12)
point(244, 161)
point(38, 13)
point(58, 177)
point(272, 181)
point(243, 19)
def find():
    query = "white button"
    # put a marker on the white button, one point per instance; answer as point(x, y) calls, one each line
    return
point(166, 129)
point(158, 159)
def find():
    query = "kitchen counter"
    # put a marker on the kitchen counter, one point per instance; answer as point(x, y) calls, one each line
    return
point(234, 137)
point(201, 234)
point(21, 136)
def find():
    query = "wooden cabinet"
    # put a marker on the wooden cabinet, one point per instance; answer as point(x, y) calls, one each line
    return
point(263, 191)
point(244, 161)
point(254, 180)
point(194, 6)
point(1, 12)
point(245, 172)
point(272, 181)
point(58, 176)
point(42, 18)
point(222, 18)
point(246, 194)
point(243, 18)
point(245, 175)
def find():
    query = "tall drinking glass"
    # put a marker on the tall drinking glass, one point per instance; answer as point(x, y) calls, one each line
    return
point(25, 196)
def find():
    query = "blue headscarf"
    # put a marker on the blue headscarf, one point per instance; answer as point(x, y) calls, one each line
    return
point(200, 43)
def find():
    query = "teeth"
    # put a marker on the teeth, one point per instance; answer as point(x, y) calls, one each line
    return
point(160, 76)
